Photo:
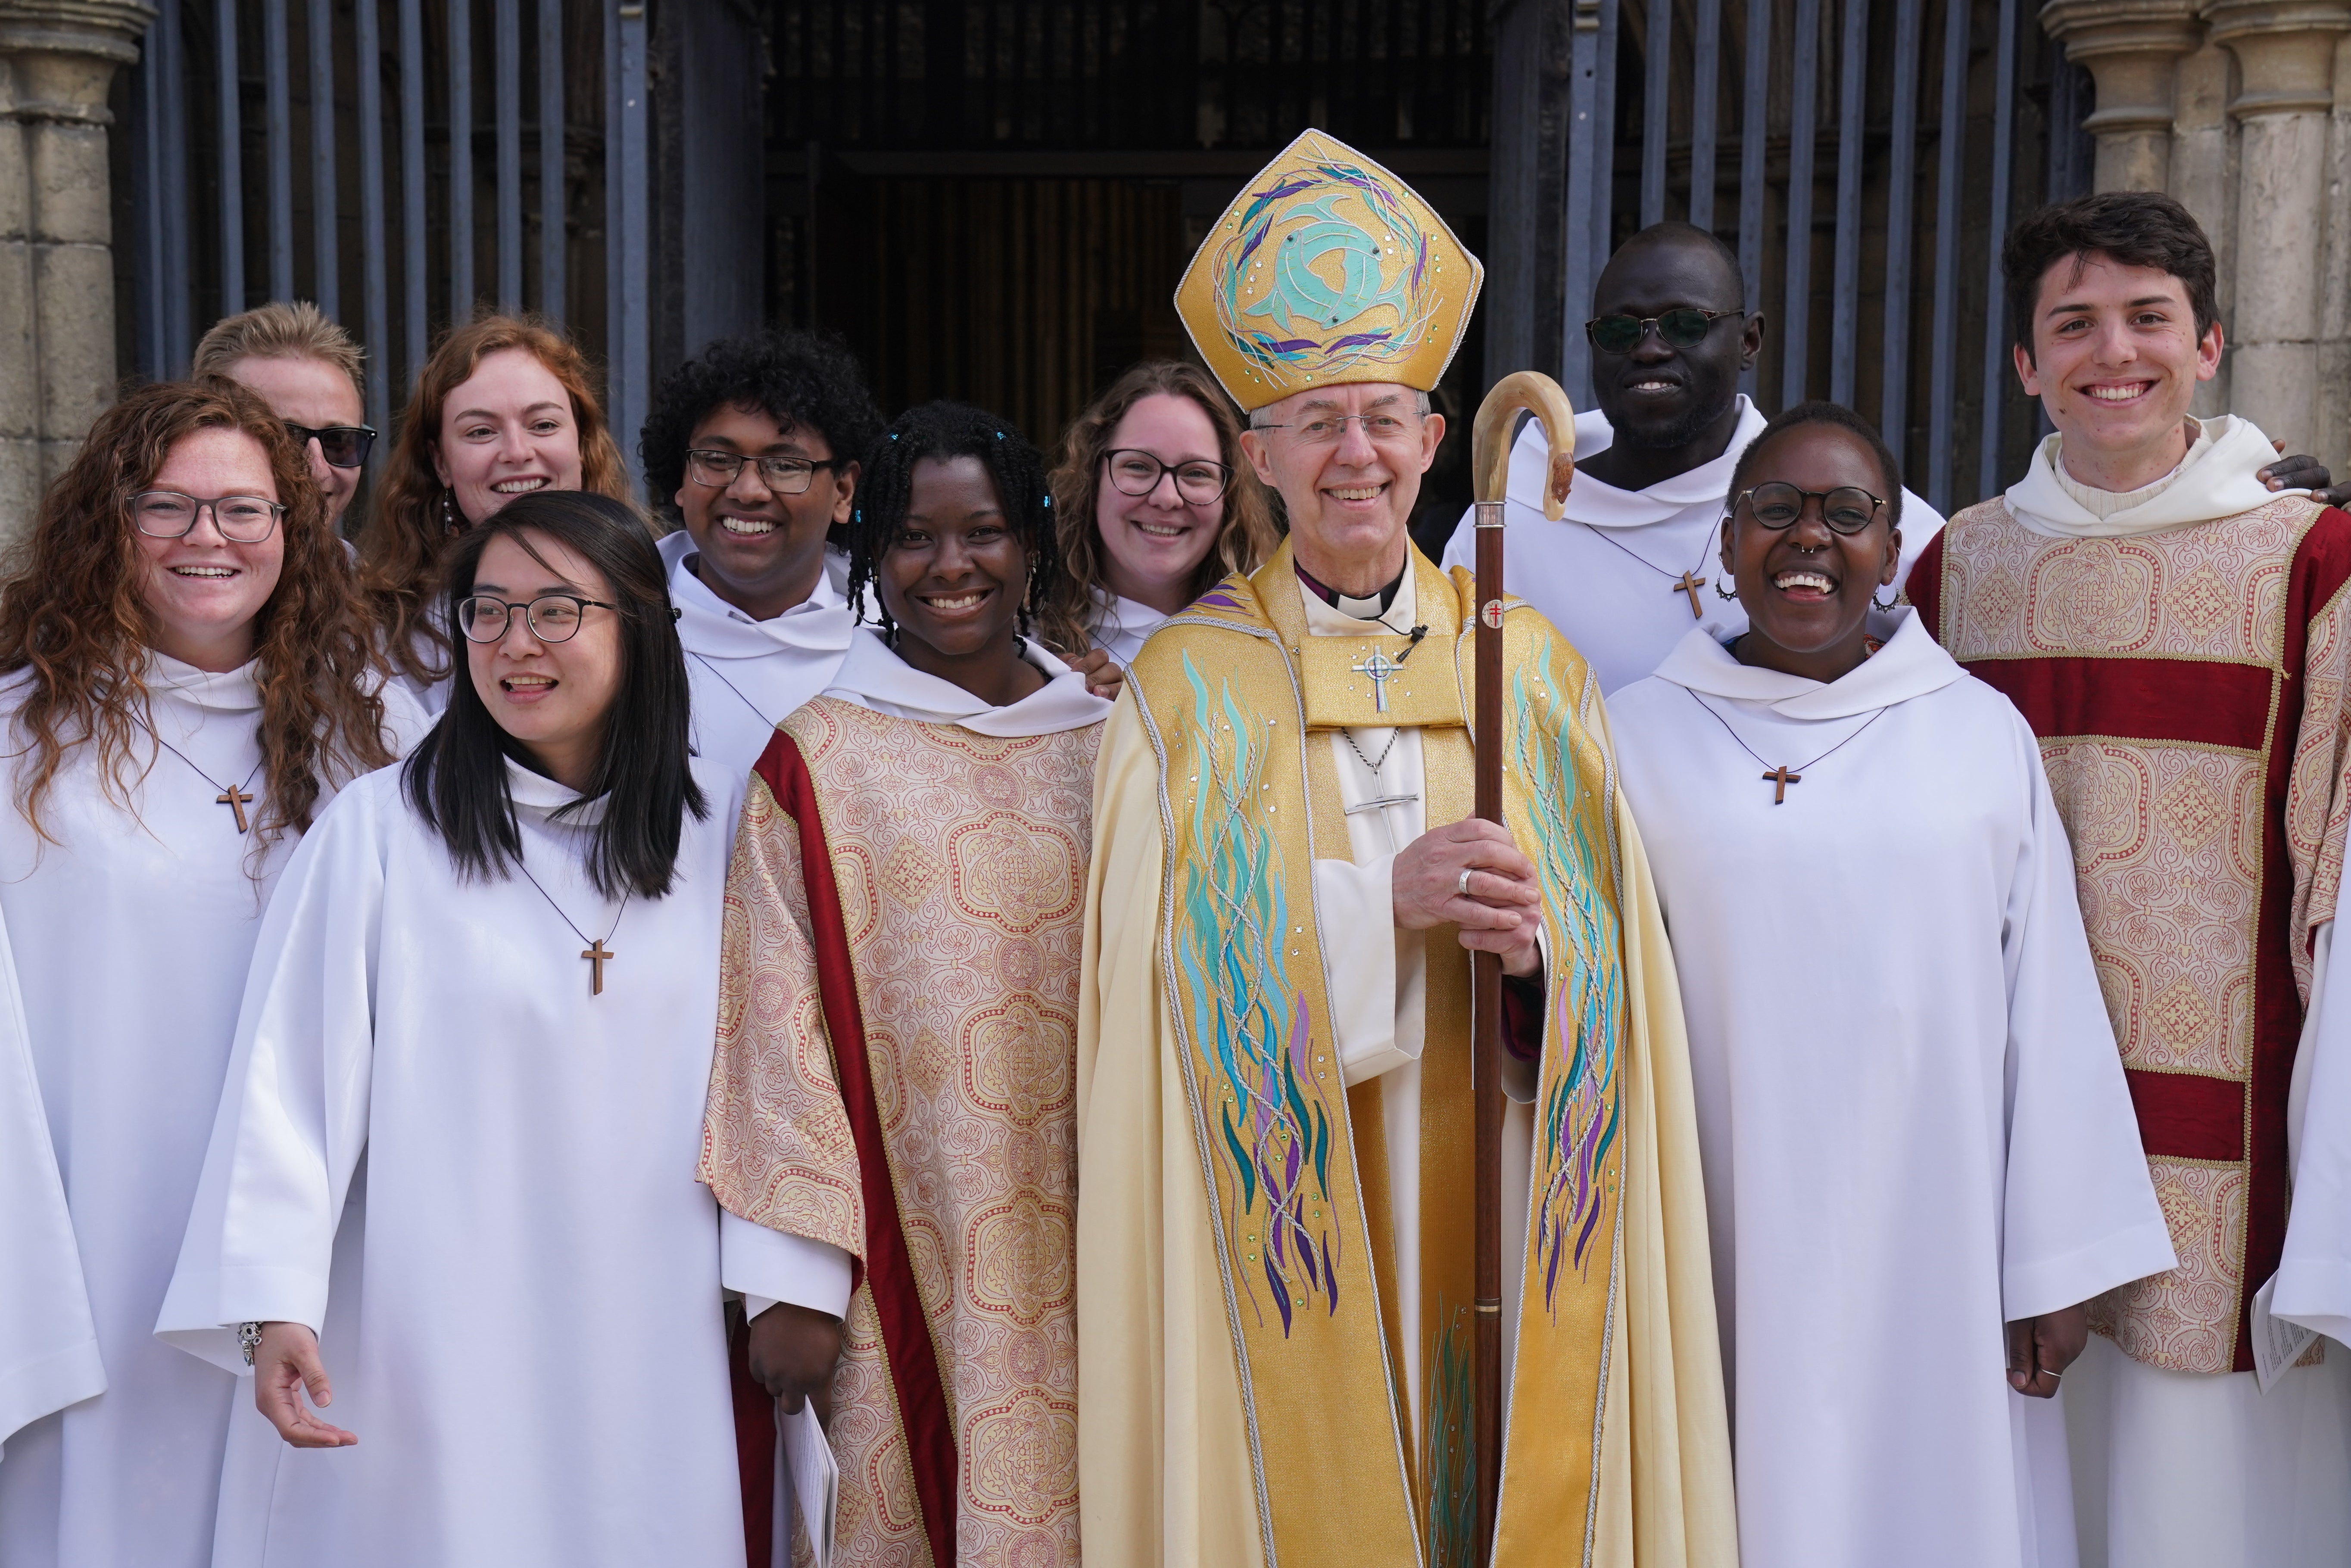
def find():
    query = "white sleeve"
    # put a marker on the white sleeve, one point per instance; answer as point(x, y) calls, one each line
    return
point(293, 1115)
point(770, 1266)
point(2314, 1277)
point(1461, 549)
point(2079, 1211)
point(1373, 1027)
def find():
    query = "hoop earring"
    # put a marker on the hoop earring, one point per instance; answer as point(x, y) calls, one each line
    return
point(1892, 604)
point(1722, 593)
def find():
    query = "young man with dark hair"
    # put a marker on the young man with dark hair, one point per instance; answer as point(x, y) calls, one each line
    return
point(2179, 638)
point(756, 443)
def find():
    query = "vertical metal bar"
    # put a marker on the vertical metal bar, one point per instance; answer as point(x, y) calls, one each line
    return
point(1941, 444)
point(179, 308)
point(553, 205)
point(412, 186)
point(231, 163)
point(1795, 340)
point(278, 61)
point(1902, 178)
point(615, 208)
point(1844, 318)
point(326, 259)
point(1655, 112)
point(1755, 100)
point(506, 67)
point(375, 264)
point(461, 161)
point(2003, 152)
point(1584, 139)
point(630, 390)
point(1604, 138)
point(147, 179)
point(1705, 88)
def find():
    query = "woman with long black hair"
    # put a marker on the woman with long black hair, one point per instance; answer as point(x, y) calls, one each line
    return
point(490, 972)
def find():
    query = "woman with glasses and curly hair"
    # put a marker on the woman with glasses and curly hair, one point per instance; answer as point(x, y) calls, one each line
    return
point(505, 407)
point(1153, 503)
point(185, 678)
point(491, 975)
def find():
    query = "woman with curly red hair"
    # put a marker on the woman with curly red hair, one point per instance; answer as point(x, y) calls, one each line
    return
point(186, 675)
point(504, 406)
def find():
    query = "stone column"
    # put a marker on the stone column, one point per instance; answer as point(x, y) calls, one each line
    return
point(2285, 96)
point(2131, 48)
point(58, 58)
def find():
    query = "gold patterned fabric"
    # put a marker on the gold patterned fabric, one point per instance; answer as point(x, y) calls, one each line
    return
point(2189, 689)
point(901, 956)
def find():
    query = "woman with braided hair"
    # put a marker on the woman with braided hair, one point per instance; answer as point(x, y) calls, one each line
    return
point(910, 1093)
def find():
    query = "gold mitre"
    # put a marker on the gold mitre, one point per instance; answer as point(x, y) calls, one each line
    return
point(1327, 269)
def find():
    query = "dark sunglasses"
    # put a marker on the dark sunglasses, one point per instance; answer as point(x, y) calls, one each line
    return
point(343, 446)
point(1683, 327)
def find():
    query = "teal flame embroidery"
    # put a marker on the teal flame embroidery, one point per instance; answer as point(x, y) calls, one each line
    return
point(1452, 1446)
point(1577, 1120)
point(1271, 1123)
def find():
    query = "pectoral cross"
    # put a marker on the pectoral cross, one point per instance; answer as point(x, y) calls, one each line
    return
point(1689, 583)
point(1780, 778)
point(596, 952)
point(236, 800)
point(1379, 667)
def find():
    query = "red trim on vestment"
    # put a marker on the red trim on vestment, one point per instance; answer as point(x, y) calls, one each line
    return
point(1925, 587)
point(2201, 703)
point(2184, 1116)
point(888, 1268)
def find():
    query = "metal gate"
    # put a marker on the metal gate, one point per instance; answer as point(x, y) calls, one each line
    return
point(398, 162)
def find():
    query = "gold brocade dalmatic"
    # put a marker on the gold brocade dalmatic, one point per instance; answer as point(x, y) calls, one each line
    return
point(1296, 1200)
point(893, 1077)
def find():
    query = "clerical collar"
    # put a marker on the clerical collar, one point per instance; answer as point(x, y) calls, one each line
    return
point(1372, 608)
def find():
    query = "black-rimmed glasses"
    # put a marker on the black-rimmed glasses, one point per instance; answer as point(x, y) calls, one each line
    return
point(343, 446)
point(1847, 509)
point(1685, 326)
point(552, 617)
point(1197, 479)
point(169, 514)
point(783, 475)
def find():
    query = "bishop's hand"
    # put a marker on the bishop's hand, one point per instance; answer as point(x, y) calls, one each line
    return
point(792, 1353)
point(2041, 1348)
point(1497, 905)
point(285, 1363)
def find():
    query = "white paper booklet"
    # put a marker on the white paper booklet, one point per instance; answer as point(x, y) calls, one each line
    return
point(808, 1482)
point(2277, 1343)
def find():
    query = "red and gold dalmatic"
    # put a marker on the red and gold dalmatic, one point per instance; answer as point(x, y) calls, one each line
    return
point(895, 1077)
point(2188, 687)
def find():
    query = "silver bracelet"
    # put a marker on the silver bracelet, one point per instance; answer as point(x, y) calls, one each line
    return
point(248, 1339)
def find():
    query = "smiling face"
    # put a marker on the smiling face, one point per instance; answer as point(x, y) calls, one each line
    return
point(1349, 499)
point(954, 578)
point(202, 590)
point(1807, 588)
point(313, 393)
point(2115, 359)
point(1658, 396)
point(551, 696)
point(1154, 543)
point(761, 552)
point(506, 430)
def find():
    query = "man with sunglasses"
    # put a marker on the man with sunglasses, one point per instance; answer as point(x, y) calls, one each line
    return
point(307, 369)
point(2178, 636)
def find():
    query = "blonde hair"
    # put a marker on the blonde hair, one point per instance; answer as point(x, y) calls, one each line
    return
point(281, 329)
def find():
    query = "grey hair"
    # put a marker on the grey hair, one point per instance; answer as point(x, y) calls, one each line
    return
point(1420, 405)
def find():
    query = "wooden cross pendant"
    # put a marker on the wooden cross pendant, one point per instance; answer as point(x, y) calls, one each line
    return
point(236, 800)
point(596, 954)
point(1689, 583)
point(1780, 778)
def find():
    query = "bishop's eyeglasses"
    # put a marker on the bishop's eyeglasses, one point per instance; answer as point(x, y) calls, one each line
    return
point(783, 475)
point(241, 519)
point(1847, 509)
point(552, 617)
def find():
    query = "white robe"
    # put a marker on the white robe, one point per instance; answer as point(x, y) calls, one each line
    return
point(748, 674)
point(130, 936)
point(770, 1266)
point(536, 1369)
point(1914, 1121)
point(1586, 572)
point(1124, 625)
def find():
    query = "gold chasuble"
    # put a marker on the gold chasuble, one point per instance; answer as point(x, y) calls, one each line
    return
point(1239, 1362)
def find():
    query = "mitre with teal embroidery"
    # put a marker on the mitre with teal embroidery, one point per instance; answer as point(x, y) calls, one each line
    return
point(1327, 269)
